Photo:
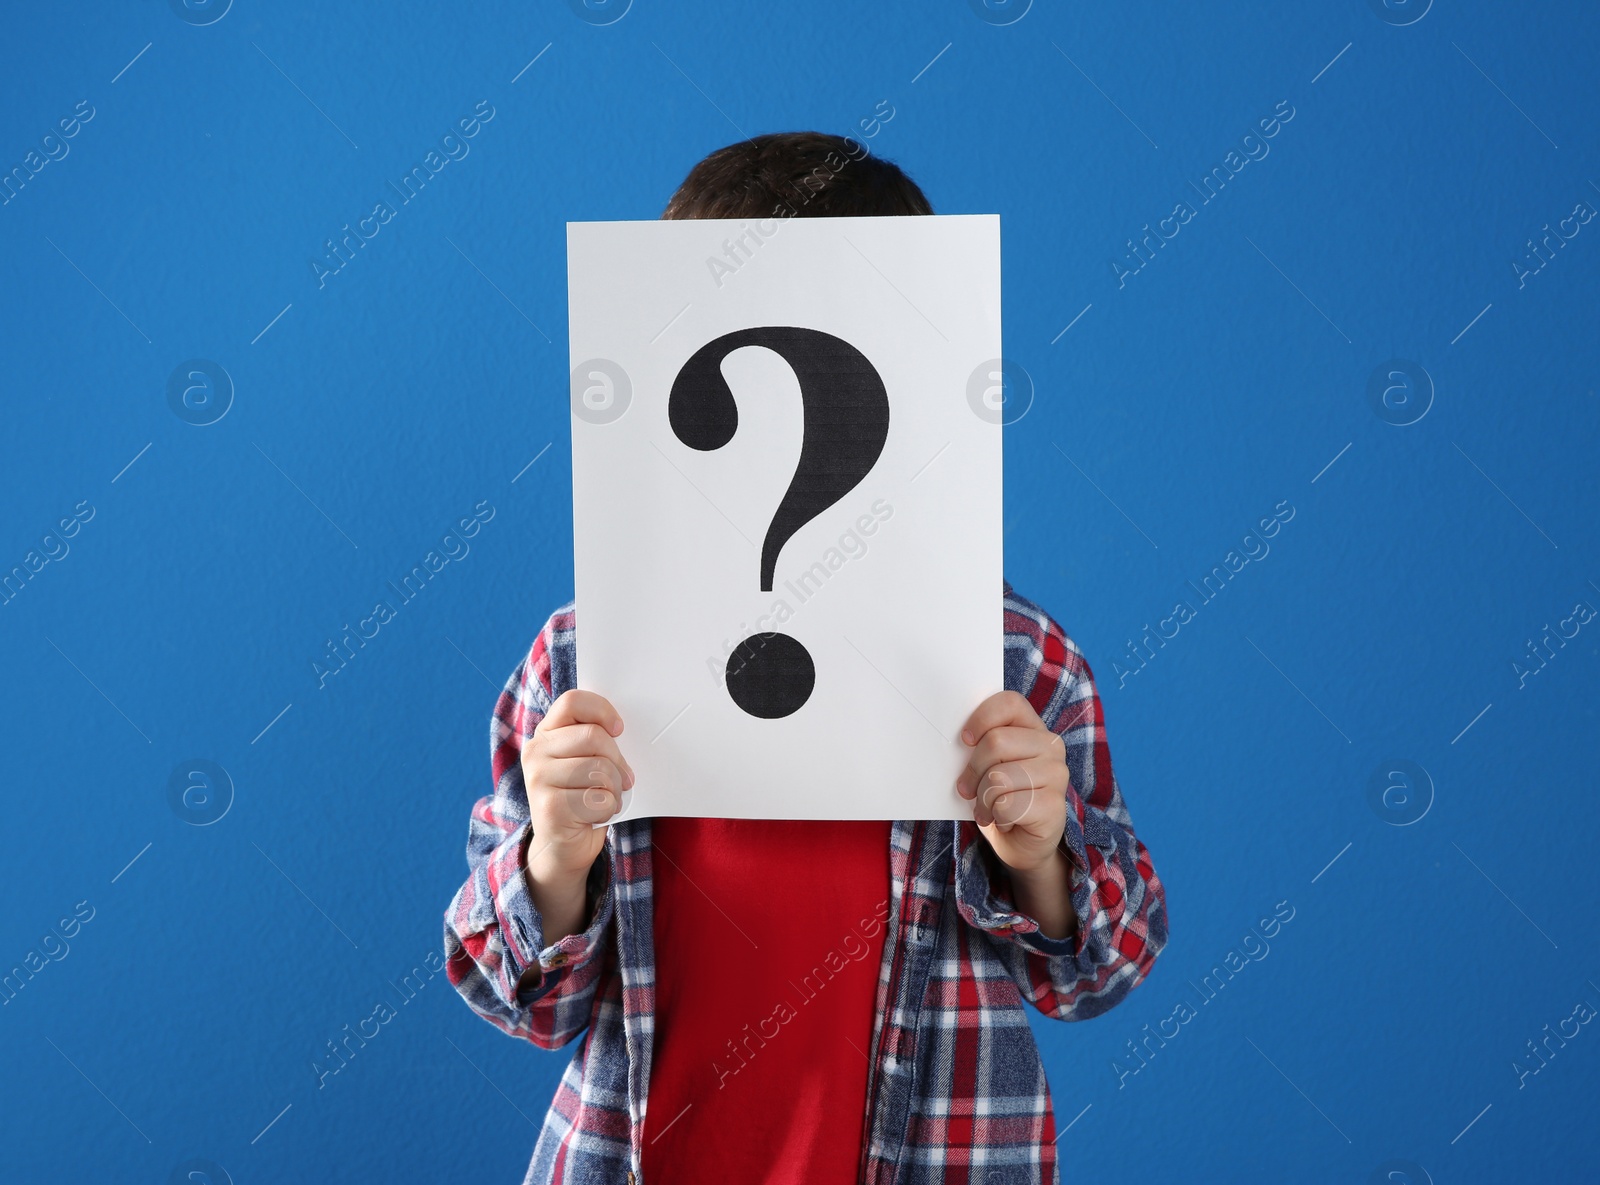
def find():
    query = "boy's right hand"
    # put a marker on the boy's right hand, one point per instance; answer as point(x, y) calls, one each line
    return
point(575, 776)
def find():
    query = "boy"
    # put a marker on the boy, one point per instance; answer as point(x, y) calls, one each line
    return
point(807, 1002)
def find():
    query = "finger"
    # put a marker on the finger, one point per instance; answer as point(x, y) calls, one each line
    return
point(1002, 744)
point(1020, 791)
point(1010, 781)
point(1001, 708)
point(584, 740)
point(982, 812)
point(581, 773)
point(589, 789)
point(1016, 807)
point(582, 707)
point(596, 804)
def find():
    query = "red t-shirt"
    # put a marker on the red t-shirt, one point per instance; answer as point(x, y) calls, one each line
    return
point(768, 936)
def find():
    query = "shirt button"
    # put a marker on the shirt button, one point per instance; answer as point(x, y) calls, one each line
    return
point(557, 959)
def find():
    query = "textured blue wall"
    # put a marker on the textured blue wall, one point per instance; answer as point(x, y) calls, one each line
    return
point(1181, 397)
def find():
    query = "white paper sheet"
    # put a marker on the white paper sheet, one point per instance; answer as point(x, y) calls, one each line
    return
point(893, 591)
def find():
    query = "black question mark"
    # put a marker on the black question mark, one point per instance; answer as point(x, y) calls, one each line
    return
point(846, 422)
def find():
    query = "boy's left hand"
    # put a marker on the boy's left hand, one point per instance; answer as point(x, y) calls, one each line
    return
point(1017, 779)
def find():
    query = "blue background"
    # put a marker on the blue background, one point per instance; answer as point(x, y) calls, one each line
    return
point(1228, 375)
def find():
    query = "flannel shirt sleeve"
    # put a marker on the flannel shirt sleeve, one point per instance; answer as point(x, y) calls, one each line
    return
point(494, 944)
point(1118, 899)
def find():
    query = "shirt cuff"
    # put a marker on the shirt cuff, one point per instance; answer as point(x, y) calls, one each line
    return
point(983, 890)
point(534, 968)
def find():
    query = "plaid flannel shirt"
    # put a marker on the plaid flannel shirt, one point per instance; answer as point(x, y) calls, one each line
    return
point(956, 1091)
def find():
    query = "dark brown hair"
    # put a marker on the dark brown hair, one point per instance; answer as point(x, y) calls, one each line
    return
point(788, 174)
